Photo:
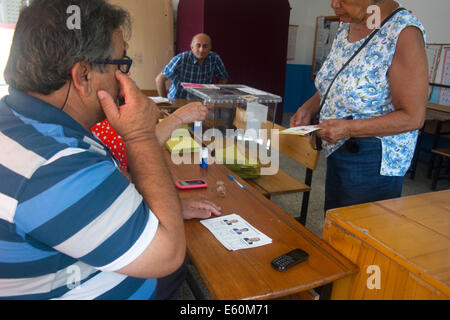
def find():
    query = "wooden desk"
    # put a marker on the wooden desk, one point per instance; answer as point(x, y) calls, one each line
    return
point(176, 103)
point(438, 117)
point(247, 274)
point(438, 107)
point(437, 112)
point(438, 124)
point(407, 238)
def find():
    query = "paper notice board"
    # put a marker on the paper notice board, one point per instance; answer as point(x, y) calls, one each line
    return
point(439, 73)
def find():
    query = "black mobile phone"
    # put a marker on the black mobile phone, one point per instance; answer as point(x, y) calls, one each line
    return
point(289, 259)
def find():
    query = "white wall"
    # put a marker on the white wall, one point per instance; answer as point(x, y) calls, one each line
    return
point(303, 14)
point(434, 16)
point(432, 13)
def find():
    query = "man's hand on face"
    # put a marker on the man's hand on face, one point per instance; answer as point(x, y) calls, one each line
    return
point(137, 118)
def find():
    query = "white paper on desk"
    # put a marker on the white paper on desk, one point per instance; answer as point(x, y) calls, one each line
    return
point(160, 100)
point(302, 130)
point(234, 233)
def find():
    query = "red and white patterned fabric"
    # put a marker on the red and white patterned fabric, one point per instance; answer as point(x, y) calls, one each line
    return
point(113, 141)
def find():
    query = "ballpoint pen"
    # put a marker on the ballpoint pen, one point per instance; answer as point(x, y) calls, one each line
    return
point(237, 182)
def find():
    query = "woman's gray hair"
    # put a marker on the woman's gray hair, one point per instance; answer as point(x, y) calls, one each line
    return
point(44, 48)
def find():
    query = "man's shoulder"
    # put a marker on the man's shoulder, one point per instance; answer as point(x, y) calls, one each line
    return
point(44, 139)
point(214, 55)
point(183, 55)
point(178, 60)
point(215, 58)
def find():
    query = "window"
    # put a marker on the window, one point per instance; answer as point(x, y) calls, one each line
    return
point(9, 13)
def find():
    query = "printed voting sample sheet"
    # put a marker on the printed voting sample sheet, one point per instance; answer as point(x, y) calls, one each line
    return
point(301, 131)
point(234, 233)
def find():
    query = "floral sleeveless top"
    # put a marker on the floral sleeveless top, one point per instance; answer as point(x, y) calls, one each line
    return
point(362, 89)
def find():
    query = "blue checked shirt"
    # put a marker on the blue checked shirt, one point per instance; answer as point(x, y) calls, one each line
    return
point(184, 67)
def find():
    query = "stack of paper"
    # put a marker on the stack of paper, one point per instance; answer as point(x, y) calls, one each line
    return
point(234, 233)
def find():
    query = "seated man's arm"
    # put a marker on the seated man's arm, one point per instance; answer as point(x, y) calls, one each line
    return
point(189, 113)
point(220, 71)
point(135, 122)
point(170, 72)
point(161, 85)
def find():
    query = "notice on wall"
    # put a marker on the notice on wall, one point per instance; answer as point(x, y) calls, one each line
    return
point(326, 30)
point(444, 77)
point(433, 55)
point(292, 42)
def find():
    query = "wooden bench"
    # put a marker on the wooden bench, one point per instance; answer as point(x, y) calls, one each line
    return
point(441, 154)
point(298, 148)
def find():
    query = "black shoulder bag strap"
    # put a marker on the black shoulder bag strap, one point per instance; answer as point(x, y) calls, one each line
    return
point(318, 141)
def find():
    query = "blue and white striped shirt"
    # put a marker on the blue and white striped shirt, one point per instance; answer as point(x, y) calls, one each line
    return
point(68, 217)
point(184, 67)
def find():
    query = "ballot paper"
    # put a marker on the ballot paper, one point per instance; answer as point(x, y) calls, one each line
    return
point(234, 233)
point(302, 130)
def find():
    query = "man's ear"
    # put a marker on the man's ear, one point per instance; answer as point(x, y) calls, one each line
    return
point(82, 76)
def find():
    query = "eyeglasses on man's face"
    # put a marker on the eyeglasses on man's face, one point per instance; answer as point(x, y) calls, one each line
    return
point(123, 65)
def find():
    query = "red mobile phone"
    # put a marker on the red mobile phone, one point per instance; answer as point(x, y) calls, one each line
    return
point(191, 184)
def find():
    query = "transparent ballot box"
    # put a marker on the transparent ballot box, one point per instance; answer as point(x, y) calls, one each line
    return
point(238, 129)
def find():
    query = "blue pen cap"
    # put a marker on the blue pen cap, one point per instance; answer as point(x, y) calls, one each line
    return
point(204, 160)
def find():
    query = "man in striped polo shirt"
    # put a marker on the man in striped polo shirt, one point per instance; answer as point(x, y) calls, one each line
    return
point(72, 226)
point(196, 66)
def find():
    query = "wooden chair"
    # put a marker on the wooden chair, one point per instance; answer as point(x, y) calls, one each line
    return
point(438, 124)
point(298, 148)
point(440, 154)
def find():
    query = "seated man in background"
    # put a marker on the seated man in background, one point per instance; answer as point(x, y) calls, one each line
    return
point(195, 66)
point(72, 225)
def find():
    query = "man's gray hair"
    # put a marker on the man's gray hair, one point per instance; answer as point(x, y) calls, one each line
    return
point(44, 49)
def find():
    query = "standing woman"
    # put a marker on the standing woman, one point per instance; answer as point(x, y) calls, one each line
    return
point(372, 107)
